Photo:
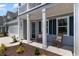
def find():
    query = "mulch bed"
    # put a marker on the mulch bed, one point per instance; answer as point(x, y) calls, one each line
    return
point(28, 51)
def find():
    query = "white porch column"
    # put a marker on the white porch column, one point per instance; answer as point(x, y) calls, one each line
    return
point(28, 28)
point(18, 25)
point(76, 33)
point(44, 35)
point(18, 28)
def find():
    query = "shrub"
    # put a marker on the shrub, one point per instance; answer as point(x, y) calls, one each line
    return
point(14, 39)
point(36, 51)
point(2, 45)
point(20, 50)
point(20, 44)
point(3, 48)
point(5, 33)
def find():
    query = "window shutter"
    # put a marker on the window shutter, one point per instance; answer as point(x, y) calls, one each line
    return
point(50, 26)
point(54, 26)
point(39, 27)
point(71, 26)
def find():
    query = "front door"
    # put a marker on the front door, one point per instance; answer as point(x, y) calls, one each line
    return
point(33, 30)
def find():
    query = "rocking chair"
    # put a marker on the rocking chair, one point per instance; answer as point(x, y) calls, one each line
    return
point(58, 42)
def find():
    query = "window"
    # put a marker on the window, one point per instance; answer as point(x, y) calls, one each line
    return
point(33, 29)
point(62, 25)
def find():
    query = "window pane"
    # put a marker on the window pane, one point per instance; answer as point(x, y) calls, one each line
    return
point(62, 22)
point(62, 29)
point(33, 35)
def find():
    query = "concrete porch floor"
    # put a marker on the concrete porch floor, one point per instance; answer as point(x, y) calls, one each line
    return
point(50, 43)
point(7, 41)
point(64, 51)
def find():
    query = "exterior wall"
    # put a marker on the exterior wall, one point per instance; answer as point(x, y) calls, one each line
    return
point(68, 40)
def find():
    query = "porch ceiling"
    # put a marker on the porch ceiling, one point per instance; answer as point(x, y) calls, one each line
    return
point(59, 9)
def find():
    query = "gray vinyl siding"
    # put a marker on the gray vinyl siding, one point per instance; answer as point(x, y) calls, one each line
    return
point(68, 40)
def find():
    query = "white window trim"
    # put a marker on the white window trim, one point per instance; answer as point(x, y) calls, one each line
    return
point(67, 25)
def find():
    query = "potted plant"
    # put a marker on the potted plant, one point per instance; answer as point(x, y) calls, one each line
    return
point(37, 52)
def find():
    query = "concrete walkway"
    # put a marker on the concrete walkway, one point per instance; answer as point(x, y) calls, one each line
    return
point(7, 41)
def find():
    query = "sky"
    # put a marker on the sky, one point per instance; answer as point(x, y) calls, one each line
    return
point(7, 7)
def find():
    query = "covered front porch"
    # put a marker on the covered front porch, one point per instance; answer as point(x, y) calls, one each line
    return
point(45, 20)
